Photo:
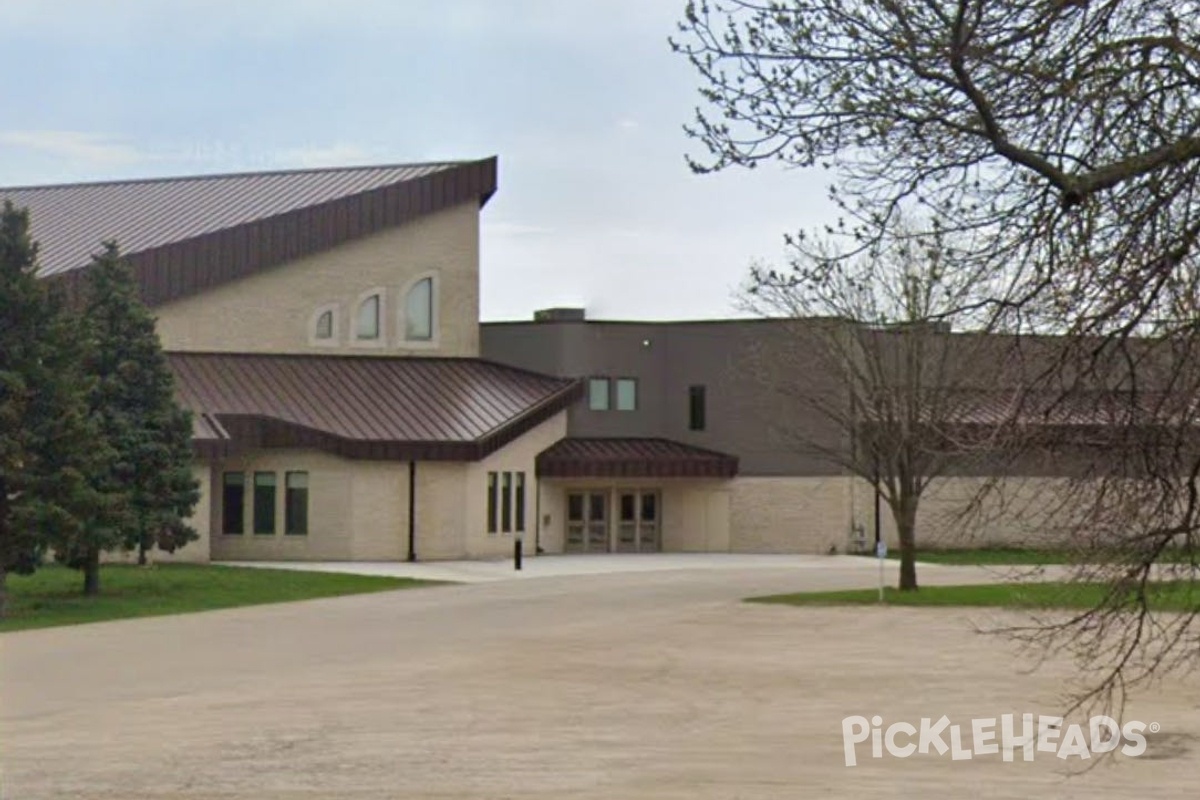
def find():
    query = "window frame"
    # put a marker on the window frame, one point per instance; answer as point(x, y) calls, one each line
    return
point(274, 510)
point(591, 395)
point(493, 505)
point(289, 528)
point(617, 394)
point(335, 325)
point(225, 505)
point(506, 504)
point(380, 338)
point(519, 502)
point(403, 311)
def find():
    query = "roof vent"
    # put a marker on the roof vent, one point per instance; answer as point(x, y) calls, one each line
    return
point(560, 315)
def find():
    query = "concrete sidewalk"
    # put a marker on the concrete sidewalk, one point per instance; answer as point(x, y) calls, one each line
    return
point(553, 566)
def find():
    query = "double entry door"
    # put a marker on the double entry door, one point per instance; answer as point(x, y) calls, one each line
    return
point(606, 521)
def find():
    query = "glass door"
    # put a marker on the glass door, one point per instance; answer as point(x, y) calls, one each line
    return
point(649, 526)
point(627, 522)
point(587, 522)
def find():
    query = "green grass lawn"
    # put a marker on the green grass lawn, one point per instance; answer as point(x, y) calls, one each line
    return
point(1013, 556)
point(52, 596)
point(1168, 596)
point(989, 556)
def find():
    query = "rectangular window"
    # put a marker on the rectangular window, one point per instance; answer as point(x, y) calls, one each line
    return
point(520, 503)
point(264, 502)
point(492, 488)
point(506, 503)
point(626, 394)
point(695, 408)
point(598, 394)
point(233, 503)
point(295, 503)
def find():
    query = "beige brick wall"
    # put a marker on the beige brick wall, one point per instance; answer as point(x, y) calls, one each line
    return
point(358, 510)
point(272, 311)
point(517, 456)
point(1019, 512)
point(442, 516)
point(789, 515)
point(330, 509)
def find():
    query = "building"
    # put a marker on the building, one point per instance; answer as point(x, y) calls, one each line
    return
point(323, 327)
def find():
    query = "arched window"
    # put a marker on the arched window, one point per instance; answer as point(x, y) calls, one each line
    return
point(418, 311)
point(367, 326)
point(324, 328)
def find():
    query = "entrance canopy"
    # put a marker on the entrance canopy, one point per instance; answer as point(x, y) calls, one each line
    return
point(632, 458)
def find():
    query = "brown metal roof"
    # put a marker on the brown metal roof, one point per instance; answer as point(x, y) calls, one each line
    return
point(632, 458)
point(183, 235)
point(457, 409)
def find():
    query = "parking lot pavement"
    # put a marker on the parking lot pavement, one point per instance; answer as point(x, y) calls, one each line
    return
point(620, 684)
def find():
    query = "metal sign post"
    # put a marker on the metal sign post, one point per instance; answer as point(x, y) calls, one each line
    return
point(881, 554)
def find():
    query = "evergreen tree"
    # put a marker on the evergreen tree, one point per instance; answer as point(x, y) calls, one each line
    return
point(134, 399)
point(48, 442)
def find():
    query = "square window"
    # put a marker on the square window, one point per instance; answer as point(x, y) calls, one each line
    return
point(696, 409)
point(626, 394)
point(598, 394)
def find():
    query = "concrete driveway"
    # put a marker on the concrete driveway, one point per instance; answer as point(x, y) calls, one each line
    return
point(625, 684)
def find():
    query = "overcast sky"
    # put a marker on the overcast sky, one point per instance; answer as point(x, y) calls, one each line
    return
point(582, 100)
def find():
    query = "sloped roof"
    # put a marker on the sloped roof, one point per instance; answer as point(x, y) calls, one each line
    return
point(632, 458)
point(457, 409)
point(187, 234)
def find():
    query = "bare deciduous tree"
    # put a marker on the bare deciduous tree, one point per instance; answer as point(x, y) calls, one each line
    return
point(1060, 143)
point(879, 323)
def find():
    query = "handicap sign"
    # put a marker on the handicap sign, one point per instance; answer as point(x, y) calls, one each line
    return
point(881, 549)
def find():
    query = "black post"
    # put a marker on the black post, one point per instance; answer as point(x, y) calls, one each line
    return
point(517, 553)
point(412, 511)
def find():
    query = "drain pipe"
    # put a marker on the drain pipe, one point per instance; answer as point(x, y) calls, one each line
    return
point(412, 510)
point(537, 515)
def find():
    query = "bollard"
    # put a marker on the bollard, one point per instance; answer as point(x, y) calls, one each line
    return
point(517, 554)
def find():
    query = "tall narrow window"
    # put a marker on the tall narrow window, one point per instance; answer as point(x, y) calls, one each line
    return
point(492, 488)
point(324, 325)
point(519, 524)
point(264, 502)
point(506, 503)
point(295, 504)
point(598, 394)
point(233, 503)
point(626, 394)
point(696, 408)
point(418, 311)
point(368, 318)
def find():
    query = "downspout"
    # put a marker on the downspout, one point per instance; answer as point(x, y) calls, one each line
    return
point(412, 510)
point(537, 514)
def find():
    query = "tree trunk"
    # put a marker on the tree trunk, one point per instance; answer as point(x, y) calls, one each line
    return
point(91, 573)
point(3, 591)
point(141, 545)
point(906, 532)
